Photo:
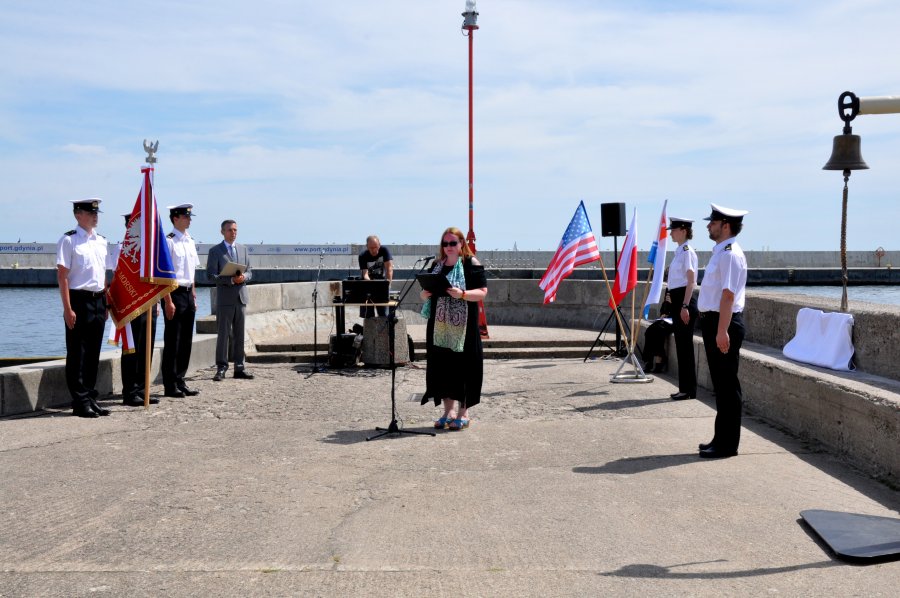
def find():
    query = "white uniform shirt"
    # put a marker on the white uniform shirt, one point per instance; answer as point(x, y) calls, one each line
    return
point(685, 261)
point(184, 256)
point(87, 258)
point(727, 269)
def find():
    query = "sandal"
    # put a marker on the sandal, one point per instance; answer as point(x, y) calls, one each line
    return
point(442, 423)
point(459, 424)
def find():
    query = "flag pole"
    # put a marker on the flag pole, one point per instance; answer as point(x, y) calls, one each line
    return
point(646, 294)
point(151, 149)
point(609, 290)
point(633, 331)
point(147, 348)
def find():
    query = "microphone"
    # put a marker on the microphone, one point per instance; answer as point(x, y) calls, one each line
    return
point(428, 258)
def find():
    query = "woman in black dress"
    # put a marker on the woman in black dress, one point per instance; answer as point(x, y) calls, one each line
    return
point(454, 355)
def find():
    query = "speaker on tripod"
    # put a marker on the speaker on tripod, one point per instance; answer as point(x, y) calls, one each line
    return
point(612, 219)
point(612, 224)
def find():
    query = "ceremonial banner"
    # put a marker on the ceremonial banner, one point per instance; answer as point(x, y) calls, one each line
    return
point(578, 246)
point(657, 259)
point(122, 336)
point(626, 269)
point(144, 272)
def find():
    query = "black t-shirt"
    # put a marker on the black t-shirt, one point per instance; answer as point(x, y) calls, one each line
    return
point(375, 264)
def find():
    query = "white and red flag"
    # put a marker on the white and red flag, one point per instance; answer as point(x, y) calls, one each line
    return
point(626, 268)
point(578, 246)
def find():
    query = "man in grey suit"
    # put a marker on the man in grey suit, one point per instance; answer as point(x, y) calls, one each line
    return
point(231, 300)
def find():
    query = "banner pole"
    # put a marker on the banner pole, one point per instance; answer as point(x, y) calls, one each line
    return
point(633, 331)
point(644, 302)
point(147, 345)
point(619, 321)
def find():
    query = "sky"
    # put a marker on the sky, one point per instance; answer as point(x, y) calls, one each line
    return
point(324, 122)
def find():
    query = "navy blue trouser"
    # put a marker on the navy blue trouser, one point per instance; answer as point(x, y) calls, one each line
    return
point(723, 369)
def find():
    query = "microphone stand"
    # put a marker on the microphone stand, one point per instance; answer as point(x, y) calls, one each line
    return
point(315, 298)
point(393, 428)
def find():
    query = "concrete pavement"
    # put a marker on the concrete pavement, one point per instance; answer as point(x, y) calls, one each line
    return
point(564, 485)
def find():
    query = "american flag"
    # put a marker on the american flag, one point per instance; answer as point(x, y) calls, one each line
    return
point(578, 246)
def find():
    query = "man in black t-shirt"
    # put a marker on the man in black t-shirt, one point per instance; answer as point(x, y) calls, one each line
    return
point(375, 263)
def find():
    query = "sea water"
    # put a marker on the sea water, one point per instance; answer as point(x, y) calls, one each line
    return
point(31, 322)
point(31, 319)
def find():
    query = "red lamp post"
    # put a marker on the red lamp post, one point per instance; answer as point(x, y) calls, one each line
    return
point(470, 24)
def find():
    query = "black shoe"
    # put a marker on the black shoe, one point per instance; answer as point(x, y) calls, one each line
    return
point(220, 374)
point(660, 367)
point(705, 445)
point(136, 401)
point(97, 408)
point(188, 392)
point(84, 410)
point(174, 393)
point(243, 374)
point(680, 396)
point(714, 453)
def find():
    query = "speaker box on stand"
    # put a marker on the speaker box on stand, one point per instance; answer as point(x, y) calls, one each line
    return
point(612, 224)
point(612, 219)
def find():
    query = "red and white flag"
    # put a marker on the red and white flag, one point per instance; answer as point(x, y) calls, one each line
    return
point(122, 337)
point(626, 269)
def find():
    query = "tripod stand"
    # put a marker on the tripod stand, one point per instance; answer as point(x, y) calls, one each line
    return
point(618, 349)
point(315, 296)
point(393, 428)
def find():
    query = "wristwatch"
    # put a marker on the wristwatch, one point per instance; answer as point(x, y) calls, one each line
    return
point(684, 306)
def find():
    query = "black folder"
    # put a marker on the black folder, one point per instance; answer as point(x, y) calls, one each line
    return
point(365, 291)
point(436, 284)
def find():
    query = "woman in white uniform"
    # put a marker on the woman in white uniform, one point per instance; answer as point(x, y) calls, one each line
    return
point(682, 281)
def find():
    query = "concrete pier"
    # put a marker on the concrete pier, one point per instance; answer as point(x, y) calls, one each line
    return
point(563, 485)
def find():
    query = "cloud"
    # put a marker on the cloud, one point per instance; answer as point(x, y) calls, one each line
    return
point(83, 150)
point(329, 121)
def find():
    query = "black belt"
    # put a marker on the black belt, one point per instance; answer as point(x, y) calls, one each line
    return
point(88, 293)
point(184, 288)
point(709, 314)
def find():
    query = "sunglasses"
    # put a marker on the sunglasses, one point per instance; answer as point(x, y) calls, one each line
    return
point(449, 243)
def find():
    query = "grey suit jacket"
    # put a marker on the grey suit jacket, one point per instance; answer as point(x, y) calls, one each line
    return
point(227, 293)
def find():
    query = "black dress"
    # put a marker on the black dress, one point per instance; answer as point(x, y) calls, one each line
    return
point(656, 334)
point(450, 374)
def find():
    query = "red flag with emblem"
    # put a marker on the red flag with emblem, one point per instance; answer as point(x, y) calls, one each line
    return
point(144, 272)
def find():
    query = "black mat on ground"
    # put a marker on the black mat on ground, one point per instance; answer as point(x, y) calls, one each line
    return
point(860, 538)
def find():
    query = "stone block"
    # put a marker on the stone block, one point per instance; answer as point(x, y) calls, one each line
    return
point(376, 342)
point(264, 298)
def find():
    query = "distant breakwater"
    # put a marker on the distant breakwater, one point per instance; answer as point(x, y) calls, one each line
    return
point(46, 277)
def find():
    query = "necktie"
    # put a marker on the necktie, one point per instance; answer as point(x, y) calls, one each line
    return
point(232, 255)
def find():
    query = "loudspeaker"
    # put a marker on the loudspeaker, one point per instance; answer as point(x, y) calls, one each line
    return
point(341, 351)
point(612, 219)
